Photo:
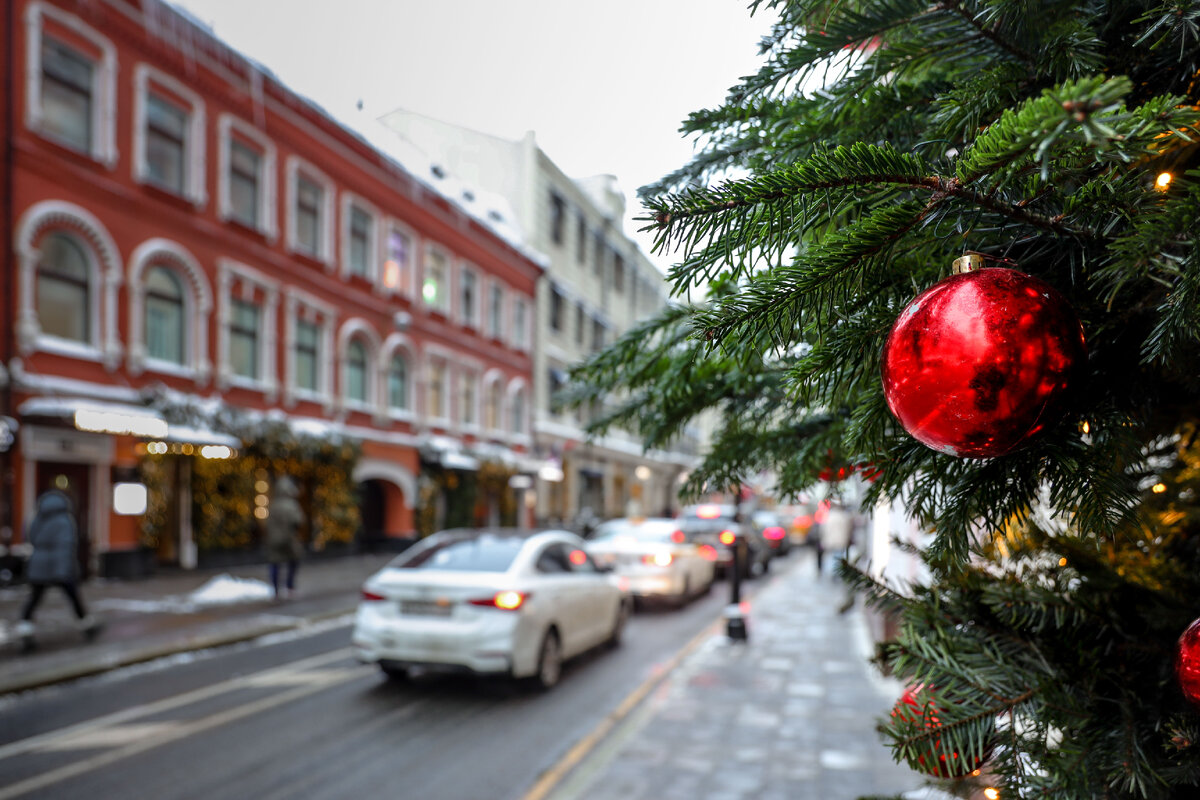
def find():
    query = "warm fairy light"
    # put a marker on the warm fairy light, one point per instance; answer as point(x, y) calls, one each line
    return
point(1086, 428)
point(991, 793)
point(1162, 181)
point(1062, 562)
point(1158, 488)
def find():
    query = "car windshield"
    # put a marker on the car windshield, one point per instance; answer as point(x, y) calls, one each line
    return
point(483, 553)
point(645, 531)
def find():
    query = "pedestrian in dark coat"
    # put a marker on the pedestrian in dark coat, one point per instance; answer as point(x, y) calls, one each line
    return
point(283, 535)
point(55, 540)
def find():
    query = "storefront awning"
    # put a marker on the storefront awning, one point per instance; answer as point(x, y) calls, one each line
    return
point(97, 416)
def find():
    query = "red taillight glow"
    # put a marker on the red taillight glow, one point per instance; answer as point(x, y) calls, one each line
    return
point(657, 559)
point(822, 511)
point(372, 596)
point(803, 521)
point(707, 552)
point(774, 533)
point(728, 537)
point(578, 558)
point(505, 601)
point(678, 537)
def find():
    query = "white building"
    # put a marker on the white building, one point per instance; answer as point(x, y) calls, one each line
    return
point(598, 284)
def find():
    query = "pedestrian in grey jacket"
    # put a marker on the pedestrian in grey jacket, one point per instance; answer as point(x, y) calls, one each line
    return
point(283, 535)
point(55, 539)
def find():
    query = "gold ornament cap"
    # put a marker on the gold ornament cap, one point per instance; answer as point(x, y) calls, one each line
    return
point(967, 263)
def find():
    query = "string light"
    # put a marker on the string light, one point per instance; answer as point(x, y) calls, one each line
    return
point(1158, 488)
point(1162, 181)
point(991, 793)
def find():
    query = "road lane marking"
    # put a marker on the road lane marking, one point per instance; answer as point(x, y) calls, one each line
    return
point(166, 704)
point(182, 731)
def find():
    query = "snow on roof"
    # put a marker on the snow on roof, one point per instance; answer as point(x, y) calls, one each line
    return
point(492, 211)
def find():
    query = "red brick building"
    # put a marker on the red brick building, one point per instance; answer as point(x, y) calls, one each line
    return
point(182, 225)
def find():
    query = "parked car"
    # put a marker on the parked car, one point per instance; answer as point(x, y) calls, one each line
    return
point(656, 557)
point(713, 524)
point(773, 530)
point(490, 602)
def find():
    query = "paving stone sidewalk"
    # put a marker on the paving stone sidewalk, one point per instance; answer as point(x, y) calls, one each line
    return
point(788, 715)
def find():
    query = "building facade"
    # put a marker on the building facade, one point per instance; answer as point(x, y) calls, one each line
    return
point(597, 285)
point(188, 240)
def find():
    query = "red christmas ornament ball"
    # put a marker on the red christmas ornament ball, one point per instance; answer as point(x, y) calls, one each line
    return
point(979, 363)
point(916, 705)
point(1187, 663)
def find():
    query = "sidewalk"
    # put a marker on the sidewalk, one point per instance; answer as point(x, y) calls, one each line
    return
point(788, 715)
point(168, 614)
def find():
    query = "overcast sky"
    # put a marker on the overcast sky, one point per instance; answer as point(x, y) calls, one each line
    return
point(604, 84)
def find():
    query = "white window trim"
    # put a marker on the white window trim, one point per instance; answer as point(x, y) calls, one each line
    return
point(295, 166)
point(505, 300)
point(230, 271)
point(465, 268)
point(227, 124)
point(194, 189)
point(104, 278)
point(408, 286)
point(514, 387)
point(374, 259)
point(466, 369)
point(447, 278)
point(398, 343)
point(443, 417)
point(104, 80)
point(197, 305)
point(326, 318)
point(359, 328)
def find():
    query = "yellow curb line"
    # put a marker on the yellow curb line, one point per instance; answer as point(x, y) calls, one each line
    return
point(553, 776)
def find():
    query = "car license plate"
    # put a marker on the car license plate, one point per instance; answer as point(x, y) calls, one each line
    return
point(426, 608)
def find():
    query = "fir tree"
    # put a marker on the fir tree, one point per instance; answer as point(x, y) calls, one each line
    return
point(881, 139)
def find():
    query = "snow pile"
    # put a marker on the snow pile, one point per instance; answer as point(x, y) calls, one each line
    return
point(226, 589)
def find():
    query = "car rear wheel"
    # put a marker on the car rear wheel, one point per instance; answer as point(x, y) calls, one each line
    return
point(549, 668)
point(395, 672)
point(619, 626)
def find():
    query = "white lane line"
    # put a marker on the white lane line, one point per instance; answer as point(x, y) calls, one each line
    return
point(331, 677)
point(125, 715)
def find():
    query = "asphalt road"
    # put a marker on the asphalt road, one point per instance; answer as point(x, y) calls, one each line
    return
point(297, 717)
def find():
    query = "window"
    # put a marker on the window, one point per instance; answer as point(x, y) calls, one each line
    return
point(308, 356)
point(597, 334)
point(398, 269)
point(166, 129)
point(618, 272)
point(517, 412)
point(356, 372)
point(436, 397)
point(243, 340)
point(398, 382)
point(360, 242)
point(309, 197)
point(601, 249)
point(557, 303)
point(496, 312)
point(557, 382)
point(63, 289)
point(520, 323)
point(580, 316)
point(581, 238)
point(164, 308)
point(66, 101)
point(433, 287)
point(468, 298)
point(244, 169)
point(491, 419)
point(558, 217)
point(469, 392)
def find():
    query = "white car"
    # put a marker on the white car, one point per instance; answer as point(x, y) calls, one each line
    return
point(655, 556)
point(491, 602)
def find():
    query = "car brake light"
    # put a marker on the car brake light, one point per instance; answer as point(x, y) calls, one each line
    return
point(372, 596)
point(658, 559)
point(708, 552)
point(678, 537)
point(578, 558)
point(728, 537)
point(505, 601)
point(774, 532)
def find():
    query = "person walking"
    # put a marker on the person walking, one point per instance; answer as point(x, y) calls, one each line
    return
point(283, 536)
point(55, 540)
point(835, 533)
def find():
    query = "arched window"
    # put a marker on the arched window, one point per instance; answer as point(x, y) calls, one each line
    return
point(356, 371)
point(63, 289)
point(398, 382)
point(492, 412)
point(165, 333)
point(517, 412)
